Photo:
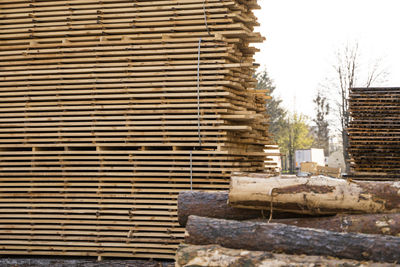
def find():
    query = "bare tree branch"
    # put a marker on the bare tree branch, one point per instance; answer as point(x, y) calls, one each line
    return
point(348, 72)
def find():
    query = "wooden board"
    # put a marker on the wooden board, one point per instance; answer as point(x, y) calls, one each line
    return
point(108, 109)
point(374, 133)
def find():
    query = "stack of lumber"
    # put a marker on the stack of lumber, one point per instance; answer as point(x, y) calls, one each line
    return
point(320, 217)
point(273, 161)
point(109, 108)
point(312, 168)
point(374, 133)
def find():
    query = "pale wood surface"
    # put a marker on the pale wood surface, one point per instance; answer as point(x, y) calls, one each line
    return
point(100, 119)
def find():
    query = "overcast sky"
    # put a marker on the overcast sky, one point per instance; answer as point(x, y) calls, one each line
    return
point(302, 37)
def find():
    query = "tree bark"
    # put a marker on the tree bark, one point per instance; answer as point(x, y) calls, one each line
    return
point(217, 256)
point(291, 161)
point(211, 204)
point(315, 195)
point(290, 239)
point(385, 224)
point(215, 205)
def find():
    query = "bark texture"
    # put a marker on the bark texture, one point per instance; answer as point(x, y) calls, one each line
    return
point(315, 195)
point(215, 205)
point(211, 204)
point(217, 256)
point(290, 239)
point(385, 224)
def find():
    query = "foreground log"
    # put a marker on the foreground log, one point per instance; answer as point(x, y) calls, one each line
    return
point(386, 224)
point(215, 205)
point(315, 195)
point(217, 256)
point(290, 239)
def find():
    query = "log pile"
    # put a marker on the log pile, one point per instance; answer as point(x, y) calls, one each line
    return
point(320, 217)
point(374, 133)
point(217, 256)
point(109, 108)
point(215, 205)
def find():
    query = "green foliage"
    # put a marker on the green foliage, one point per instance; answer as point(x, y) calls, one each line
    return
point(296, 136)
point(290, 131)
point(276, 113)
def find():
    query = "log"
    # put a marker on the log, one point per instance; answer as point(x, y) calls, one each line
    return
point(385, 224)
point(215, 205)
point(199, 203)
point(217, 256)
point(315, 195)
point(211, 204)
point(290, 239)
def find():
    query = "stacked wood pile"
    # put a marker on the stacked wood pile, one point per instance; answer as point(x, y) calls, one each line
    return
point(319, 218)
point(272, 162)
point(80, 262)
point(109, 108)
point(374, 133)
point(312, 168)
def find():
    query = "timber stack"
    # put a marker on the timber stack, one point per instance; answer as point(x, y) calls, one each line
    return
point(110, 108)
point(269, 221)
point(374, 133)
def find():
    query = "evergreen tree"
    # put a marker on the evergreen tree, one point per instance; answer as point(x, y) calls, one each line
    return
point(290, 131)
point(276, 113)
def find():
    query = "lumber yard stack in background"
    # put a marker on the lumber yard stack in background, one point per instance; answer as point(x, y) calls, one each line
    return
point(273, 160)
point(374, 133)
point(109, 108)
point(319, 217)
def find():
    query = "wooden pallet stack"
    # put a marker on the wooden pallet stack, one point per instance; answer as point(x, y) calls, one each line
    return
point(109, 108)
point(374, 133)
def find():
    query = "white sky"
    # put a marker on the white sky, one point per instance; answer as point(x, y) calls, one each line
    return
point(302, 37)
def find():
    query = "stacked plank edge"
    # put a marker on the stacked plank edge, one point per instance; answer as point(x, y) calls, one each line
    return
point(109, 108)
point(374, 133)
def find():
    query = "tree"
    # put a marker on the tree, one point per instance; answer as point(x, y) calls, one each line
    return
point(296, 136)
point(276, 113)
point(290, 131)
point(350, 72)
point(321, 133)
